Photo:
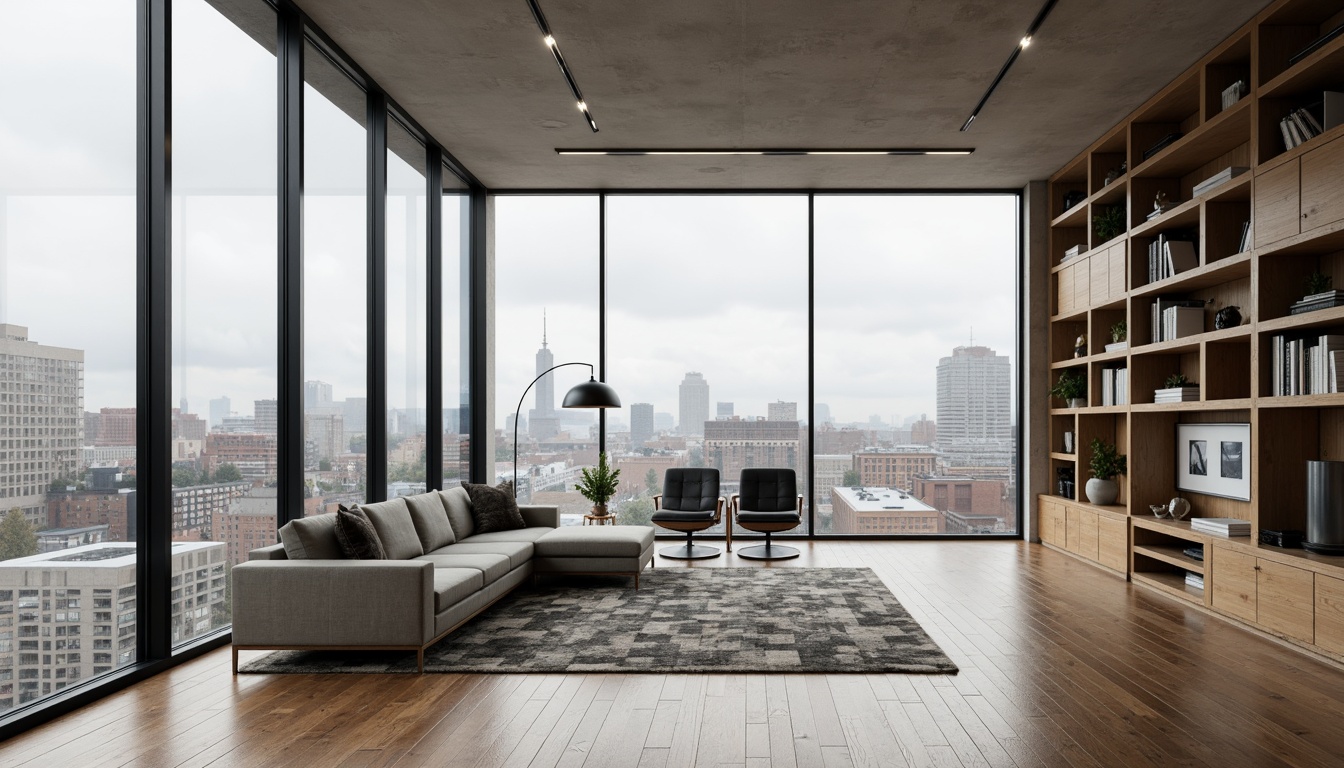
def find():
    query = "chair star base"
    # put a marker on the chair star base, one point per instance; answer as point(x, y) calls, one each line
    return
point(690, 552)
point(768, 552)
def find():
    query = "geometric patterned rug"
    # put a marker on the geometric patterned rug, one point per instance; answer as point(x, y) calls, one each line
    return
point(772, 620)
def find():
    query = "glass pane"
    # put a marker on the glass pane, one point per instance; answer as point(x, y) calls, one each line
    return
point(456, 326)
point(407, 195)
point(546, 267)
point(709, 356)
point(335, 283)
point(915, 338)
point(68, 606)
point(224, 255)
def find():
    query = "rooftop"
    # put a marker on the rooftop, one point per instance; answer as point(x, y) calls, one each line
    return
point(872, 499)
point(103, 555)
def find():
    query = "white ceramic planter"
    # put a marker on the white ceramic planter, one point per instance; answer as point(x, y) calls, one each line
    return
point(1102, 492)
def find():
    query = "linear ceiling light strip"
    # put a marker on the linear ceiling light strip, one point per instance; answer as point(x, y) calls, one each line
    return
point(549, 39)
point(1012, 57)
point(764, 152)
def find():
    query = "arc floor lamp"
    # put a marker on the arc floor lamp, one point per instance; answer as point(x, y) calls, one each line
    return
point(589, 394)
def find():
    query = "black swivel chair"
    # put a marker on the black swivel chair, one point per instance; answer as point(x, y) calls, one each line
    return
point(767, 502)
point(690, 502)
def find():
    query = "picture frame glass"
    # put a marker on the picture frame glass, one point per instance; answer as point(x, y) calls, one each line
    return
point(1214, 459)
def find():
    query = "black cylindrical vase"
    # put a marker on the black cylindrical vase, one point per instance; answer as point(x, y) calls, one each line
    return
point(1325, 508)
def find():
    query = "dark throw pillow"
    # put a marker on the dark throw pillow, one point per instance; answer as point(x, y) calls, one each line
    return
point(494, 509)
point(357, 536)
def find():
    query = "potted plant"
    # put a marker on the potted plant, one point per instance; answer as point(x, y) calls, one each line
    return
point(1104, 465)
point(1177, 389)
point(1109, 223)
point(1071, 388)
point(1119, 332)
point(599, 484)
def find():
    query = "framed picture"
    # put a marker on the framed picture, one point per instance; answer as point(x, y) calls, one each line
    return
point(1214, 459)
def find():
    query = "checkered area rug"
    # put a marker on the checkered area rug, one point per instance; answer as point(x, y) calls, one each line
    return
point(679, 620)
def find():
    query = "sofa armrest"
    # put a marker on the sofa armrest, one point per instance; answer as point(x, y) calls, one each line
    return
point(273, 552)
point(540, 515)
point(333, 603)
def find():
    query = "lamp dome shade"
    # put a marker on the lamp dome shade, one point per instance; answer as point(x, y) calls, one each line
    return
point(592, 394)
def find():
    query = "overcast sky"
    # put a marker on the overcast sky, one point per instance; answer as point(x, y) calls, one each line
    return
point(712, 284)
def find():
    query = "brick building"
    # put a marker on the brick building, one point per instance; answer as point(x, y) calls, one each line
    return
point(895, 468)
point(83, 509)
point(882, 511)
point(732, 445)
point(253, 454)
point(247, 523)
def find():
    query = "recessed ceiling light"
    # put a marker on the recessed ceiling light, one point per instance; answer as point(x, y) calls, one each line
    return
point(1012, 57)
point(554, 47)
point(900, 151)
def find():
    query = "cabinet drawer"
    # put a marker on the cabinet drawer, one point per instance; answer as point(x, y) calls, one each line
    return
point(1112, 543)
point(1322, 193)
point(1233, 577)
point(1087, 534)
point(1277, 204)
point(1330, 613)
point(1284, 600)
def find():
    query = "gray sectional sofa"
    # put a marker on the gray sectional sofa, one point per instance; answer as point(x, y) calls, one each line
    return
point(302, 594)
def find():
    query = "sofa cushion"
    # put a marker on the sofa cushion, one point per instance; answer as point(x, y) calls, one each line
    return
point(518, 552)
point(453, 585)
point(430, 520)
point(595, 541)
point(492, 567)
point(458, 503)
point(494, 509)
point(311, 538)
point(396, 530)
point(357, 536)
point(521, 534)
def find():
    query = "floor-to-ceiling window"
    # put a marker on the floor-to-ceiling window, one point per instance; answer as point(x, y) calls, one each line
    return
point(224, 308)
point(456, 328)
point(706, 338)
point(335, 283)
point(916, 353)
point(405, 258)
point(546, 313)
point(68, 602)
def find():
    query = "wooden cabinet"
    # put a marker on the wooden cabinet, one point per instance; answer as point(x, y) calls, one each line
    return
point(1329, 614)
point(1052, 523)
point(1278, 597)
point(1117, 271)
point(1099, 279)
point(1112, 543)
point(1087, 534)
point(1322, 195)
point(1073, 529)
point(1102, 538)
point(1277, 204)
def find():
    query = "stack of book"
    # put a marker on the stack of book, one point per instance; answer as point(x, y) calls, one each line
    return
point(1222, 177)
point(1245, 237)
point(1312, 365)
point(1317, 301)
point(1114, 386)
point(1305, 123)
point(1221, 526)
point(1233, 93)
point(1116, 346)
point(1194, 552)
point(1176, 395)
point(1191, 322)
point(1193, 579)
point(1073, 252)
point(1171, 254)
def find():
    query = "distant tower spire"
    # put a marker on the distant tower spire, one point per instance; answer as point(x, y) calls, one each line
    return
point(543, 327)
point(972, 335)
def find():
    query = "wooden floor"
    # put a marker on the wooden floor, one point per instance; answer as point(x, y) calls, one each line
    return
point(1061, 664)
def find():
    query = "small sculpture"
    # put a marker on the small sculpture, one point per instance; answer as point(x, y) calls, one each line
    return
point(1227, 317)
point(1178, 508)
point(1080, 345)
point(1161, 203)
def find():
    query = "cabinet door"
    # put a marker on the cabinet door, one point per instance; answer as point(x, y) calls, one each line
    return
point(1082, 291)
point(1233, 576)
point(1322, 193)
point(1087, 534)
point(1050, 513)
point(1112, 543)
point(1284, 600)
point(1277, 204)
point(1117, 271)
point(1073, 529)
point(1099, 278)
point(1330, 613)
point(1064, 297)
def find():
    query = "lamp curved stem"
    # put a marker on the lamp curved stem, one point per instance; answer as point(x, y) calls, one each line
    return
point(517, 413)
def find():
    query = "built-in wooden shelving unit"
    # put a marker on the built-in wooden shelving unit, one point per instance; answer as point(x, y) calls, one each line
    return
point(1292, 199)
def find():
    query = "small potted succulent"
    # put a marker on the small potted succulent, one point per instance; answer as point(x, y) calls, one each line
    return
point(1105, 463)
point(1071, 388)
point(599, 484)
point(1176, 389)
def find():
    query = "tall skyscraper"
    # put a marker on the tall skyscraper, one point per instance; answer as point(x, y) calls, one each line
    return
point(43, 389)
point(267, 414)
point(823, 412)
point(543, 421)
point(316, 394)
point(220, 408)
point(694, 401)
point(974, 403)
point(641, 424)
point(782, 411)
point(723, 411)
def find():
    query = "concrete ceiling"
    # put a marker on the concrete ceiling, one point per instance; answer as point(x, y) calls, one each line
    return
point(772, 73)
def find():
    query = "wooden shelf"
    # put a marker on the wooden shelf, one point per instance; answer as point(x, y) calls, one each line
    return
point(1178, 528)
point(1171, 555)
point(1223, 270)
point(1223, 133)
point(1239, 404)
point(1170, 583)
point(1303, 401)
point(1191, 343)
point(1113, 193)
point(1317, 72)
point(1318, 319)
point(1183, 216)
point(1063, 456)
point(1100, 357)
point(1074, 217)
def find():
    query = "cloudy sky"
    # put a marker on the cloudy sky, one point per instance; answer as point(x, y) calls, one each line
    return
point(712, 284)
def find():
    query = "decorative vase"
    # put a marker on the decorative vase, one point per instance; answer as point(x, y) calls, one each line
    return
point(599, 510)
point(1101, 492)
point(1227, 317)
point(1077, 402)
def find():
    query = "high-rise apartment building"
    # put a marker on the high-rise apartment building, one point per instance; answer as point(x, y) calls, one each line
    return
point(188, 426)
point(246, 524)
point(220, 408)
point(316, 394)
point(116, 426)
point(41, 420)
point(974, 397)
point(923, 431)
point(542, 421)
point(253, 454)
point(693, 397)
point(194, 508)
point(326, 433)
point(113, 508)
point(782, 411)
point(895, 468)
point(641, 424)
point(267, 415)
point(732, 445)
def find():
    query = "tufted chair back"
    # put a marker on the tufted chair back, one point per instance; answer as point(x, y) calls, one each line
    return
point(768, 490)
point(690, 490)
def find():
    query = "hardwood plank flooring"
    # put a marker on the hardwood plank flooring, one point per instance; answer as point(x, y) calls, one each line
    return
point(1061, 665)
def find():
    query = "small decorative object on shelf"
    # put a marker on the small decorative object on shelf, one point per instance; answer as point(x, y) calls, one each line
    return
point(1114, 174)
point(599, 484)
point(1119, 337)
point(1104, 465)
point(1159, 510)
point(1325, 508)
point(1162, 204)
point(1233, 93)
point(1080, 345)
point(1178, 508)
point(1177, 389)
point(1162, 143)
point(1109, 223)
point(1071, 388)
point(1073, 198)
point(1064, 482)
point(1227, 317)
point(1319, 295)
point(1068, 442)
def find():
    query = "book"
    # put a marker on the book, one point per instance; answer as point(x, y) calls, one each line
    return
point(1316, 45)
point(1245, 237)
point(1161, 144)
point(1161, 305)
point(1117, 346)
point(1288, 141)
point(1179, 322)
point(1074, 252)
point(1311, 306)
point(1180, 255)
point(1233, 93)
point(1222, 177)
point(1194, 552)
point(1194, 580)
point(1221, 526)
